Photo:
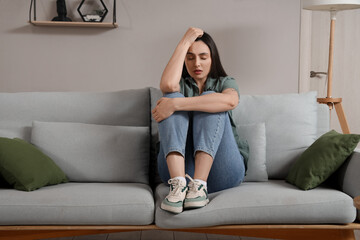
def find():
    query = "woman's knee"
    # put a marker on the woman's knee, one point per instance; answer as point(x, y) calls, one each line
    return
point(174, 95)
point(207, 92)
point(224, 114)
point(202, 117)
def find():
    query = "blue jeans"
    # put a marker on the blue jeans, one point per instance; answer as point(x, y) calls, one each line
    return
point(188, 132)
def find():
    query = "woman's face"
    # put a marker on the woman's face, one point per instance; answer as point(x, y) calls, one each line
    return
point(198, 61)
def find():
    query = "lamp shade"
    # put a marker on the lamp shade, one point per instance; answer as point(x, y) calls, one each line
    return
point(330, 5)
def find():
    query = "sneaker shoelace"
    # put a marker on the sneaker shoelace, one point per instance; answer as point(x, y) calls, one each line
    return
point(193, 185)
point(175, 187)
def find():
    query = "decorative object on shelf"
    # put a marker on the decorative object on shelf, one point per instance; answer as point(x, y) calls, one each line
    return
point(61, 10)
point(95, 10)
point(333, 6)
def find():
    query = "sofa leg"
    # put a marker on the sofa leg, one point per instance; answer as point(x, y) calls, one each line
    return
point(348, 235)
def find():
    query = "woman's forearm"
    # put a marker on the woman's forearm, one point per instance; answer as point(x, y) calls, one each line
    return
point(172, 73)
point(212, 103)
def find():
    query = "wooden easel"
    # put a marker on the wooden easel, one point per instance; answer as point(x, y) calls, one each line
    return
point(329, 100)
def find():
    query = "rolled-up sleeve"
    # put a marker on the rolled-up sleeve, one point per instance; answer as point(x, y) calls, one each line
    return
point(229, 82)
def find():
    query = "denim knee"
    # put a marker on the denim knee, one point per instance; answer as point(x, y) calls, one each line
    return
point(207, 92)
point(180, 95)
point(174, 95)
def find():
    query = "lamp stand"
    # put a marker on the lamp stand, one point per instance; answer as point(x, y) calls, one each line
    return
point(329, 100)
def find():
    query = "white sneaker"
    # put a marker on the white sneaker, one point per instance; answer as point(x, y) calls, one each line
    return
point(174, 201)
point(197, 195)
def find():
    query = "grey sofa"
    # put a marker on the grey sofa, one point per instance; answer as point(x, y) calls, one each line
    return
point(106, 145)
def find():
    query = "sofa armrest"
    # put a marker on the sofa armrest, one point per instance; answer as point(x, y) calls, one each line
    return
point(348, 178)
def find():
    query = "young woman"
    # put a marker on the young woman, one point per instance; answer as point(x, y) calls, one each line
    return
point(196, 130)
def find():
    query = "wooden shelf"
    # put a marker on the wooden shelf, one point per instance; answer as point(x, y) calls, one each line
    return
point(33, 20)
point(75, 24)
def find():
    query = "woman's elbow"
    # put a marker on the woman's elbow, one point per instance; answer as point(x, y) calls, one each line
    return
point(233, 103)
point(168, 88)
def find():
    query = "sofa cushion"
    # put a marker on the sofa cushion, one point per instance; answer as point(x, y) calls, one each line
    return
point(291, 126)
point(79, 204)
point(271, 202)
point(255, 136)
point(25, 167)
point(322, 159)
point(96, 153)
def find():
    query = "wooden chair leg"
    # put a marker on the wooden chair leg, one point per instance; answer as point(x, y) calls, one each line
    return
point(342, 119)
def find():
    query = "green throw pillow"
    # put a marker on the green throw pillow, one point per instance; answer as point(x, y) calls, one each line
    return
point(25, 167)
point(322, 159)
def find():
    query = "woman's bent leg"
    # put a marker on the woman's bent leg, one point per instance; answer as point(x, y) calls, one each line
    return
point(173, 135)
point(208, 130)
point(228, 169)
point(214, 140)
point(171, 162)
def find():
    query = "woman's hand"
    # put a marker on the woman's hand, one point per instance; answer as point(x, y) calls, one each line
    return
point(192, 34)
point(164, 108)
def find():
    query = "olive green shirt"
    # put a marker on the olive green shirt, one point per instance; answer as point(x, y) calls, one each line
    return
point(189, 88)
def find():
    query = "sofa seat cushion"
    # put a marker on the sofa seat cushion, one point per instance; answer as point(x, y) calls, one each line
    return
point(272, 202)
point(79, 204)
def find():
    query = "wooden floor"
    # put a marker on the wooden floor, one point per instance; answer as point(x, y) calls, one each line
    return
point(163, 235)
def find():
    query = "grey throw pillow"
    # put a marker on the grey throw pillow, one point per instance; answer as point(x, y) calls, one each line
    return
point(291, 126)
point(95, 153)
point(255, 135)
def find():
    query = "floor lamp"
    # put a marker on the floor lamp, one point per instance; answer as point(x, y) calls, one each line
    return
point(332, 6)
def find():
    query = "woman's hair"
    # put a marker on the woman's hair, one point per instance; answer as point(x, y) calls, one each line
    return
point(216, 69)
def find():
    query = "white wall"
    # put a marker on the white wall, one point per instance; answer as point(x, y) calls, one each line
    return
point(258, 42)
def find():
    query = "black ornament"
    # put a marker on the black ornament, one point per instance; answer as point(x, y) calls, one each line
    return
point(61, 10)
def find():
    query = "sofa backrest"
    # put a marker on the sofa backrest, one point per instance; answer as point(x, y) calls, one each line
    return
point(292, 121)
point(84, 116)
point(122, 108)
